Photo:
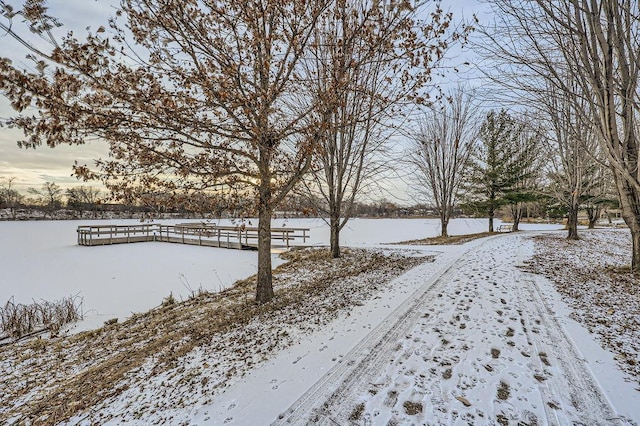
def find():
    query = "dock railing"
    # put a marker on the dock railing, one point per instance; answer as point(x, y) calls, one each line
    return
point(202, 234)
point(115, 234)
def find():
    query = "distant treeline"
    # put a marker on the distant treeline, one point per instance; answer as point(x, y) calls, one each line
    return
point(50, 201)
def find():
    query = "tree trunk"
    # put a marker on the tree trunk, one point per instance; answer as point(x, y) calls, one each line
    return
point(444, 224)
point(264, 286)
point(593, 213)
point(334, 224)
point(491, 214)
point(630, 205)
point(609, 220)
point(572, 223)
point(516, 213)
point(635, 259)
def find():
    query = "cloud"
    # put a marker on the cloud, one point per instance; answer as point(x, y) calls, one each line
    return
point(32, 167)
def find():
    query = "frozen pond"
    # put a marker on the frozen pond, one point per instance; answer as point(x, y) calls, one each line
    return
point(41, 261)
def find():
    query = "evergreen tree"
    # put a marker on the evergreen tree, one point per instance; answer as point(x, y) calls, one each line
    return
point(501, 166)
point(524, 172)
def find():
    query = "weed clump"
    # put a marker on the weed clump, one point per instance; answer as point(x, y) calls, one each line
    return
point(18, 320)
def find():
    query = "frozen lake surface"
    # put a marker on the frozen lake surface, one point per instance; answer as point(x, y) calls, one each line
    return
point(42, 261)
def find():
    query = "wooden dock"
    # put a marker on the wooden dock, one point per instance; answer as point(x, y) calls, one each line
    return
point(199, 234)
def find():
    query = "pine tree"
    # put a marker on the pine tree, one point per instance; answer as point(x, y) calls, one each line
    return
point(500, 167)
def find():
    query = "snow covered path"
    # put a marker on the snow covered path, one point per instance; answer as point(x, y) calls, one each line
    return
point(476, 344)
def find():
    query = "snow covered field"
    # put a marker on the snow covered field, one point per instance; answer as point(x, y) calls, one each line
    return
point(465, 337)
point(42, 261)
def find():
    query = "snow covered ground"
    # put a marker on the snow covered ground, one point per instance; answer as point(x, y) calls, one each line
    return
point(465, 337)
point(41, 261)
point(477, 342)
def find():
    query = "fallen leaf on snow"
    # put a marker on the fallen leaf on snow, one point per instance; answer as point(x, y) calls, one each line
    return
point(464, 400)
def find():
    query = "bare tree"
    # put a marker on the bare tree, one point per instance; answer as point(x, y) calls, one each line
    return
point(441, 150)
point(10, 198)
point(49, 195)
point(600, 194)
point(372, 61)
point(596, 44)
point(83, 198)
point(572, 147)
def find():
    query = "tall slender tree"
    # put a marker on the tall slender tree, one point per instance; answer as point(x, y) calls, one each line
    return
point(600, 194)
point(369, 63)
point(440, 152)
point(572, 147)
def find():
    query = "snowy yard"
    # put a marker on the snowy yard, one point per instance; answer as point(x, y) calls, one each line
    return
point(390, 334)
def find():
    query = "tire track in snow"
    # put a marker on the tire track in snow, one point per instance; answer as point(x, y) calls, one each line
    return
point(584, 394)
point(567, 391)
point(364, 362)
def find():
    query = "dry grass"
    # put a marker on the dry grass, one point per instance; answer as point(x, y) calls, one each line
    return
point(450, 240)
point(504, 391)
point(66, 377)
point(356, 413)
point(18, 320)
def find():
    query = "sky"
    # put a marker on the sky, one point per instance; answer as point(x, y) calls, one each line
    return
point(31, 168)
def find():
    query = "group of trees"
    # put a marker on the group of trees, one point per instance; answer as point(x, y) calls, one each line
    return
point(484, 163)
point(49, 197)
point(577, 63)
point(215, 103)
point(229, 97)
point(573, 64)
